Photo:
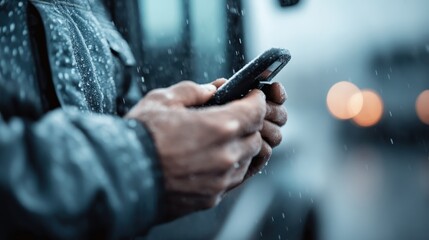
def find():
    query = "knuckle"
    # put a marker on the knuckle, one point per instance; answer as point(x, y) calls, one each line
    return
point(225, 130)
point(269, 112)
point(256, 117)
point(261, 111)
point(227, 160)
point(255, 143)
point(258, 141)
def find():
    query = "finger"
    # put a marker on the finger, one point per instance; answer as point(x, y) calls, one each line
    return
point(217, 159)
point(240, 173)
point(271, 133)
point(260, 160)
point(276, 113)
point(223, 175)
point(239, 118)
point(219, 82)
point(241, 168)
point(275, 92)
point(189, 94)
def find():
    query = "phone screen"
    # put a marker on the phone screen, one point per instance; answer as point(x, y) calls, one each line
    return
point(267, 72)
point(257, 72)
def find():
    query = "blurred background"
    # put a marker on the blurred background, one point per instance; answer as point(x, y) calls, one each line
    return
point(354, 162)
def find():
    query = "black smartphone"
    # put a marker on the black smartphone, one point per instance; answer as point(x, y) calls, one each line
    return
point(254, 75)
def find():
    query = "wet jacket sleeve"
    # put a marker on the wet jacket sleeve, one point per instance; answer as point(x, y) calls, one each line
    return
point(71, 175)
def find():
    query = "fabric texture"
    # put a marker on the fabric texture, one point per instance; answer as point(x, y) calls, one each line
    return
point(70, 166)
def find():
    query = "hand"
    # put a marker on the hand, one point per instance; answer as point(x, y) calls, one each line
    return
point(276, 117)
point(203, 152)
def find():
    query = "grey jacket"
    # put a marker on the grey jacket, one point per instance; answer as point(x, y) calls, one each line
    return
point(70, 166)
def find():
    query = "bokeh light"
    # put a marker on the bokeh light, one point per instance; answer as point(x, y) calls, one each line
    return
point(344, 100)
point(422, 106)
point(372, 109)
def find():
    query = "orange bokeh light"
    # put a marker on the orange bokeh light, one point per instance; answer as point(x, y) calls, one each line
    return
point(422, 106)
point(372, 109)
point(344, 100)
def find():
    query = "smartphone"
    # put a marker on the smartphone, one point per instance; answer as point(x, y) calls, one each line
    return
point(254, 75)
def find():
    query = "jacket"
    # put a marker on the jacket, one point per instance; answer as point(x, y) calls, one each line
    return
point(70, 166)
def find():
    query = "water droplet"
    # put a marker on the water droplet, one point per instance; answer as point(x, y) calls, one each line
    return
point(12, 27)
point(391, 141)
point(20, 4)
point(10, 14)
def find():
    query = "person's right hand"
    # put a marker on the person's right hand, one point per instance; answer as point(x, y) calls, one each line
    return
point(203, 151)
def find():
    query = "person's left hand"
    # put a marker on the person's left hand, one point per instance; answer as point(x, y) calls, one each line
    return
point(275, 118)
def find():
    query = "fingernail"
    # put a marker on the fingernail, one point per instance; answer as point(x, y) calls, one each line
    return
point(209, 87)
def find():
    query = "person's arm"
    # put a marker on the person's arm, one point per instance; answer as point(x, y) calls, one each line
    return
point(72, 175)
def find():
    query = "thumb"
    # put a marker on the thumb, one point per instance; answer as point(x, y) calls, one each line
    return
point(189, 94)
